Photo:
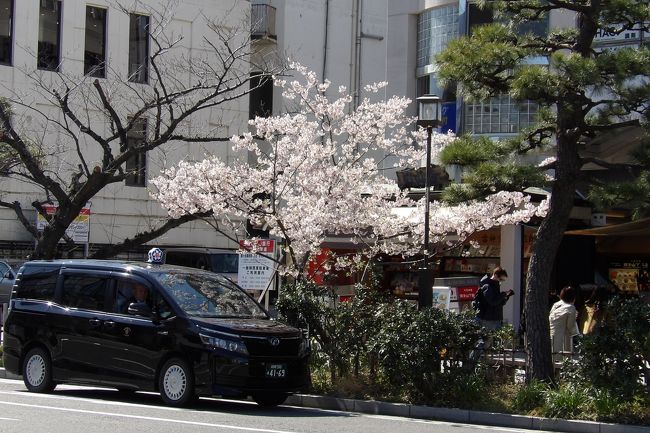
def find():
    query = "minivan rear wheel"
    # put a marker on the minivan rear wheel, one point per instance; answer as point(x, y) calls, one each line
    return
point(176, 382)
point(270, 399)
point(37, 371)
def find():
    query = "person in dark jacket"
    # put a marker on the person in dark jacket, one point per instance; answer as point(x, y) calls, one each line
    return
point(489, 308)
point(491, 299)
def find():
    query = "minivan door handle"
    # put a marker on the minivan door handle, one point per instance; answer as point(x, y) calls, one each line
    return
point(109, 324)
point(95, 322)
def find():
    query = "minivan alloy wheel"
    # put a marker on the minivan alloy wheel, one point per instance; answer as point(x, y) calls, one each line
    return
point(35, 370)
point(175, 382)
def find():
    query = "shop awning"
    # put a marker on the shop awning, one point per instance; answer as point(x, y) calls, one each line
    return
point(635, 228)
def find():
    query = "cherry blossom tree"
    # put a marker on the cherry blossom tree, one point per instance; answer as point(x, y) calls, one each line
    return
point(320, 171)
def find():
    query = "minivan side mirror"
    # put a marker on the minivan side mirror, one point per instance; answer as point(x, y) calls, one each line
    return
point(9, 275)
point(140, 309)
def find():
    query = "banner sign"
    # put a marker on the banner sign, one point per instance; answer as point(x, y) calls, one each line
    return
point(78, 230)
point(256, 269)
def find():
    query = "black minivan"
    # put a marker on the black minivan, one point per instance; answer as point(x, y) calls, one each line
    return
point(138, 326)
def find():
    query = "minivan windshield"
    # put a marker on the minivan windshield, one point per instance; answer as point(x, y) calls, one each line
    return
point(203, 295)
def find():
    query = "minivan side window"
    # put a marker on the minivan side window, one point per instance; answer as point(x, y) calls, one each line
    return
point(85, 291)
point(129, 291)
point(38, 282)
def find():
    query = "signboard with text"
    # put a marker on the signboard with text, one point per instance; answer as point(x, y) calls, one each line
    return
point(441, 297)
point(256, 264)
point(78, 230)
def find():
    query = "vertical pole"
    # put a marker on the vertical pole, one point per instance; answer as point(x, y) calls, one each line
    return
point(511, 260)
point(425, 295)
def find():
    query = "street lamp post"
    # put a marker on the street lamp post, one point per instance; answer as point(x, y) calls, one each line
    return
point(429, 118)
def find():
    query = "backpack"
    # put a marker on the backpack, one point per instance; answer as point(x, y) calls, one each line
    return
point(478, 300)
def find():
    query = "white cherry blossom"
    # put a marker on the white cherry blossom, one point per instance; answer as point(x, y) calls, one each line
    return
point(319, 172)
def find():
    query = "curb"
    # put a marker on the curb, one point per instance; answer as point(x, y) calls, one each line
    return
point(4, 374)
point(460, 415)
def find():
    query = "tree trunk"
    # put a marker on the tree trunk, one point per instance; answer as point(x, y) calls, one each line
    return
point(47, 244)
point(544, 251)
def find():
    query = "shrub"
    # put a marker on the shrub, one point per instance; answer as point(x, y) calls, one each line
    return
point(419, 354)
point(565, 402)
point(341, 330)
point(606, 406)
point(503, 338)
point(612, 358)
point(530, 396)
point(423, 350)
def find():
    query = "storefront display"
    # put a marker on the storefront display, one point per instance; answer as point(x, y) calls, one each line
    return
point(630, 276)
point(441, 297)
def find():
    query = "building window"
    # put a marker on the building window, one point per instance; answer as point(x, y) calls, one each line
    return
point(136, 166)
point(423, 86)
point(95, 48)
point(49, 35)
point(436, 27)
point(261, 97)
point(139, 48)
point(6, 31)
point(500, 115)
point(479, 17)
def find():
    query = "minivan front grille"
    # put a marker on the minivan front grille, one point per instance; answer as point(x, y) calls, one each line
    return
point(263, 346)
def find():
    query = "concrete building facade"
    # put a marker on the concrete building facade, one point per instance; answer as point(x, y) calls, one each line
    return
point(70, 32)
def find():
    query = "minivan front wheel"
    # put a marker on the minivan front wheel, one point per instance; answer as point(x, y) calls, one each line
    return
point(176, 382)
point(37, 371)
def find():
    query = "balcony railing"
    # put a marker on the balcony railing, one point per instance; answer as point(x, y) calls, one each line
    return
point(263, 21)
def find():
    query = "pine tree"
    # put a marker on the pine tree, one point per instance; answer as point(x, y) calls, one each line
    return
point(582, 92)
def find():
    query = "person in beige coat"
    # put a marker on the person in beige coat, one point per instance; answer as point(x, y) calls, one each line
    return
point(563, 322)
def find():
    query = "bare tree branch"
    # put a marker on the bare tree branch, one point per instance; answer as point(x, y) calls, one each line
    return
point(147, 236)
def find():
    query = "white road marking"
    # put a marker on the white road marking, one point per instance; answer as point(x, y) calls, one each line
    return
point(8, 419)
point(146, 418)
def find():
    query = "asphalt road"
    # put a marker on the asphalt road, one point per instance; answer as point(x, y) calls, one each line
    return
point(92, 410)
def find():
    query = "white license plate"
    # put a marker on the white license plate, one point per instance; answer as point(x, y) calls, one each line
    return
point(277, 371)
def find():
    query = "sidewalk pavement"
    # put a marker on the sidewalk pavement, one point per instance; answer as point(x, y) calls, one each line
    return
point(445, 414)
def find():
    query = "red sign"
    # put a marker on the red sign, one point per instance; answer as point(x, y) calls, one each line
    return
point(259, 245)
point(467, 293)
point(50, 209)
point(316, 266)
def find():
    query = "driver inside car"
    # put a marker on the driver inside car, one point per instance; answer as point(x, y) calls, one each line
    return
point(130, 293)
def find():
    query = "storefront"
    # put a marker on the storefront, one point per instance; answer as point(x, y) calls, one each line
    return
point(622, 256)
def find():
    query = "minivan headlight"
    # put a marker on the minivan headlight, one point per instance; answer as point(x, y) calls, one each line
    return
point(222, 343)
